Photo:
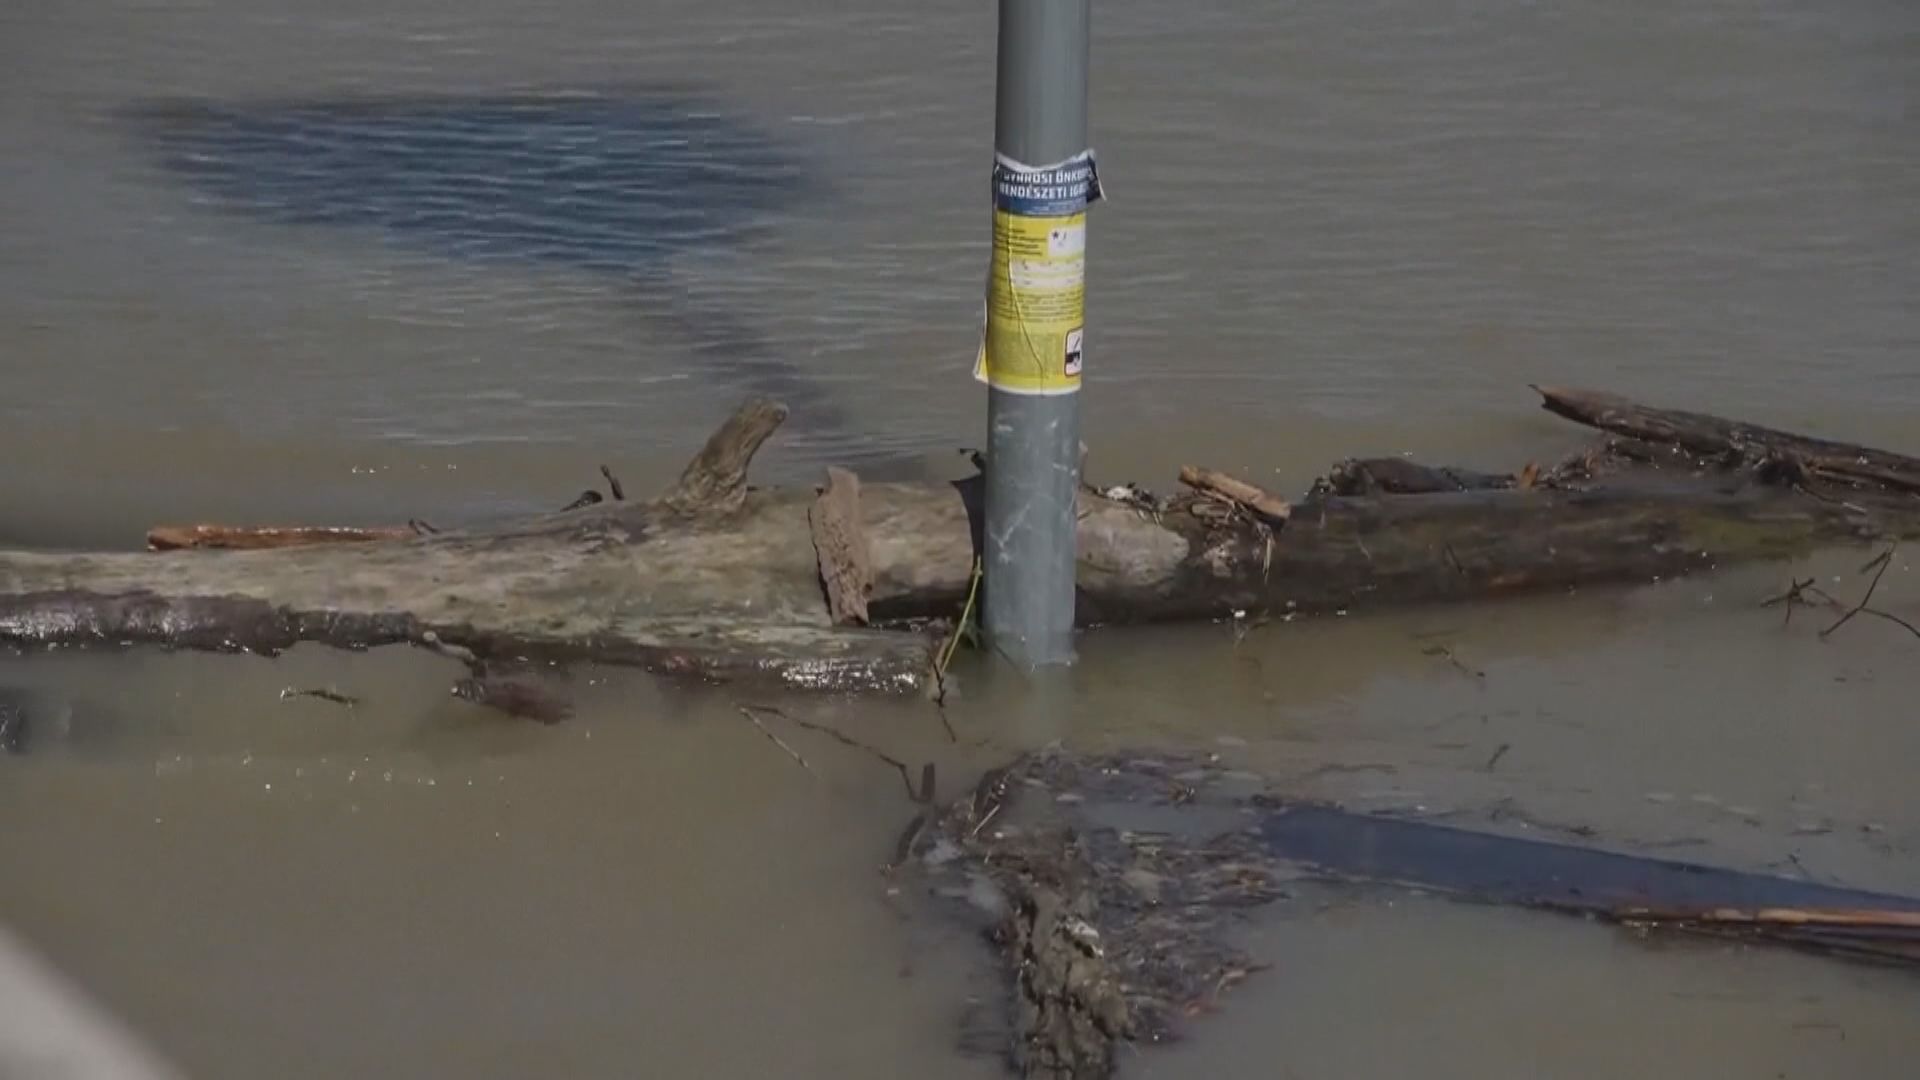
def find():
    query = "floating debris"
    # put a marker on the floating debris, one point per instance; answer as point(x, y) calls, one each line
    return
point(1111, 887)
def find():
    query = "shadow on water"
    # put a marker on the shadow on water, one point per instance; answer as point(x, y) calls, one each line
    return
point(618, 184)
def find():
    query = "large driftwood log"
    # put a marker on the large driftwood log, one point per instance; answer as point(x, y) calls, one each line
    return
point(721, 581)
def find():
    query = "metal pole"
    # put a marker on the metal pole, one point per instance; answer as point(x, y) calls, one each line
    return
point(1033, 461)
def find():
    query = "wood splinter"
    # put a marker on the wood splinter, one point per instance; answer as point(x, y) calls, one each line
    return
point(1239, 492)
point(840, 541)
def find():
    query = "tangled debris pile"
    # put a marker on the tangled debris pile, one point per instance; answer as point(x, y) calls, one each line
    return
point(1113, 884)
point(1113, 912)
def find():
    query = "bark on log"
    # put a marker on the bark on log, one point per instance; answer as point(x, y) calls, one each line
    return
point(718, 581)
point(840, 542)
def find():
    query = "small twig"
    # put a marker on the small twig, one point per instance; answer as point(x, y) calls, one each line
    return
point(1797, 595)
point(1894, 619)
point(420, 527)
point(587, 498)
point(323, 693)
point(992, 812)
point(1878, 564)
point(777, 740)
point(844, 739)
point(1497, 755)
point(613, 484)
point(1880, 561)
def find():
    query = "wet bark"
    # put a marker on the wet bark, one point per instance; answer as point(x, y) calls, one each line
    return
point(718, 580)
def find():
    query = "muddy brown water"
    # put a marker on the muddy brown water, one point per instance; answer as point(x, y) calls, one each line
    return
point(1351, 231)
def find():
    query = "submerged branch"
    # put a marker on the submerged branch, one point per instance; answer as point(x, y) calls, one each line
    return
point(922, 794)
point(777, 740)
point(1878, 564)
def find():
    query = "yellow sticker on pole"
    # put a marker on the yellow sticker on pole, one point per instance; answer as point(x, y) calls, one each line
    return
point(1034, 338)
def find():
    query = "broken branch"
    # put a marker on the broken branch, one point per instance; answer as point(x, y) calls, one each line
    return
point(715, 480)
point(261, 537)
point(1261, 502)
point(1712, 436)
point(613, 485)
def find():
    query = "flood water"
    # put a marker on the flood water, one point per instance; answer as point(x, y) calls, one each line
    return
point(355, 263)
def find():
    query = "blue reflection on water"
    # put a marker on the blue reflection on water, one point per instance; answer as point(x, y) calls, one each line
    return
point(611, 183)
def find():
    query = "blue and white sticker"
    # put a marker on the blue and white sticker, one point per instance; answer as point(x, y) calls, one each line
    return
point(1062, 189)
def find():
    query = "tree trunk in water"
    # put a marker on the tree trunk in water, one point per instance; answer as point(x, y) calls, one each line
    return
point(720, 581)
